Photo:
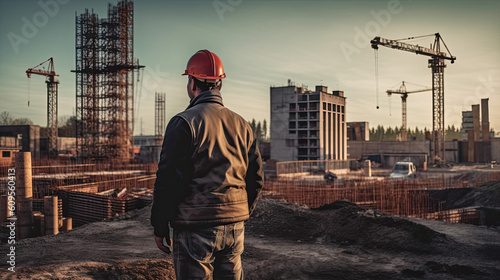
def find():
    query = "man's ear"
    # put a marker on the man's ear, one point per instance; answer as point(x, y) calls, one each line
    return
point(193, 85)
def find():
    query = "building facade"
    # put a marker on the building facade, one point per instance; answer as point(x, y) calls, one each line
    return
point(307, 125)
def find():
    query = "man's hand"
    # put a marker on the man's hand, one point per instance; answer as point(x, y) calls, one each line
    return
point(161, 246)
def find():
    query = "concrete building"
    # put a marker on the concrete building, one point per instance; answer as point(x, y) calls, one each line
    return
point(307, 125)
point(476, 136)
point(28, 137)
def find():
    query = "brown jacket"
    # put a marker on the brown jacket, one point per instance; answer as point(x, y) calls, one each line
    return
point(210, 169)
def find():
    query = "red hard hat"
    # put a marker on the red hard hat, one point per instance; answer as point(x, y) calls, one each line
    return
point(205, 65)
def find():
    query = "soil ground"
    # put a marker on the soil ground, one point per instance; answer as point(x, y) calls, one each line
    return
point(283, 241)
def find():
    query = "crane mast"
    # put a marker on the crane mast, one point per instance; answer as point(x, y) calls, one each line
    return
point(52, 85)
point(437, 65)
point(404, 95)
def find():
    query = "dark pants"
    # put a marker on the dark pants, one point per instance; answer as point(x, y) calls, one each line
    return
point(211, 253)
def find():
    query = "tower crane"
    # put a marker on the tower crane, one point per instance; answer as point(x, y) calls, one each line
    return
point(52, 84)
point(436, 63)
point(404, 95)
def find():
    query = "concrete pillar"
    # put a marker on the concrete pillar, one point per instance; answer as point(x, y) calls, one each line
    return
point(37, 223)
point(368, 164)
point(24, 195)
point(424, 167)
point(485, 119)
point(67, 224)
point(4, 212)
point(50, 207)
point(470, 145)
point(475, 121)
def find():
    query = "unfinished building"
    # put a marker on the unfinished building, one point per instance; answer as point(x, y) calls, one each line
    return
point(105, 68)
point(308, 125)
point(477, 146)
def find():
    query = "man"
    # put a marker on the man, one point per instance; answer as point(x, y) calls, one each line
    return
point(208, 181)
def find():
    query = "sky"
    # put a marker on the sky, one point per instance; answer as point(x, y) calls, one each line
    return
point(263, 44)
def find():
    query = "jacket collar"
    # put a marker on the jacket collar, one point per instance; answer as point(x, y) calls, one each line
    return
point(206, 96)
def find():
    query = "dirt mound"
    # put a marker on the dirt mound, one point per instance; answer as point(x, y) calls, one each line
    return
point(344, 223)
point(122, 270)
point(486, 195)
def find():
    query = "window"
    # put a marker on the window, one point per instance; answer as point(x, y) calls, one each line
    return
point(291, 131)
point(292, 107)
point(291, 125)
point(324, 105)
point(292, 116)
point(338, 108)
point(342, 107)
point(302, 142)
point(5, 153)
point(329, 107)
point(303, 152)
point(303, 97)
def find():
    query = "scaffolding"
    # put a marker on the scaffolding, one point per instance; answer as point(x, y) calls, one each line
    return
point(159, 116)
point(105, 68)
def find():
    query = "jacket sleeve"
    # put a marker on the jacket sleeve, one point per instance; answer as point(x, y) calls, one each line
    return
point(254, 178)
point(170, 177)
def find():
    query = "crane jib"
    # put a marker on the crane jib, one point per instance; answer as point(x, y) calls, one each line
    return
point(410, 48)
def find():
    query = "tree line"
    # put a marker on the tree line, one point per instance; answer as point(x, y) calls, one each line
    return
point(260, 130)
point(66, 124)
point(381, 133)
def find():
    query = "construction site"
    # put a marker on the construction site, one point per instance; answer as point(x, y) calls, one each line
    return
point(330, 208)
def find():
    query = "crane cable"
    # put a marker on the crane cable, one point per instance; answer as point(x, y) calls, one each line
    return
point(28, 86)
point(390, 110)
point(376, 75)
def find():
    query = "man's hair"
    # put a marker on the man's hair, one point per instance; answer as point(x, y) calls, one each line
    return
point(203, 86)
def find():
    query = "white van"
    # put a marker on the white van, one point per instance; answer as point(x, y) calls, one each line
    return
point(404, 169)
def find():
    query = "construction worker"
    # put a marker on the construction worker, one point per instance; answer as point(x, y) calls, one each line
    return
point(208, 181)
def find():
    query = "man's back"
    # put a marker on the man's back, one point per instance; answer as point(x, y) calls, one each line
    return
point(223, 145)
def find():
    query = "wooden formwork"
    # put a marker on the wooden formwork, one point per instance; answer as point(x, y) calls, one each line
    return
point(98, 200)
